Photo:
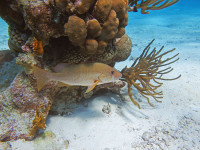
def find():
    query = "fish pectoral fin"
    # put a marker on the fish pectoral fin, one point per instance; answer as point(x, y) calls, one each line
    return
point(91, 87)
point(100, 77)
point(61, 84)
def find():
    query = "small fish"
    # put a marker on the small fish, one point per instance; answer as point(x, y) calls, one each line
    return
point(90, 75)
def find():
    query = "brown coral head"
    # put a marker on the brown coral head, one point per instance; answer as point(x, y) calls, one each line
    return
point(84, 5)
point(101, 47)
point(93, 28)
point(77, 21)
point(76, 31)
point(110, 27)
point(120, 8)
point(102, 9)
point(91, 46)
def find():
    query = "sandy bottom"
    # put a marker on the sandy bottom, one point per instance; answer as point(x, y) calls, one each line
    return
point(172, 124)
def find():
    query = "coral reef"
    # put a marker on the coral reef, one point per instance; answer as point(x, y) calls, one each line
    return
point(24, 111)
point(145, 72)
point(17, 38)
point(145, 5)
point(87, 27)
point(105, 53)
point(45, 33)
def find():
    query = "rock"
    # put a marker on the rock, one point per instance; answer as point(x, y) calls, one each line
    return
point(123, 48)
point(24, 111)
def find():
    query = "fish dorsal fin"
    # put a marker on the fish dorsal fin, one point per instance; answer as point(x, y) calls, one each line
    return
point(91, 87)
point(61, 84)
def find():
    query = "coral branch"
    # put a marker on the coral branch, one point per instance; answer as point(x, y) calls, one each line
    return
point(145, 71)
point(145, 5)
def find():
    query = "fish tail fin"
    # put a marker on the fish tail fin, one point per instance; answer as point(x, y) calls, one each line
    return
point(42, 77)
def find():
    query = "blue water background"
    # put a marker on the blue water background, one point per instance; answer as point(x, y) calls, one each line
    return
point(179, 22)
point(174, 27)
point(3, 35)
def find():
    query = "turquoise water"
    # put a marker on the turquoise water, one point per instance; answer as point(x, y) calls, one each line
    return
point(3, 35)
point(177, 26)
point(180, 23)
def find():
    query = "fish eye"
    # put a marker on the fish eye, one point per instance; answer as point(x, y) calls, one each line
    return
point(112, 72)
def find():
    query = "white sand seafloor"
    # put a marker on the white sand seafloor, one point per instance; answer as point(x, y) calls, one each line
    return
point(172, 124)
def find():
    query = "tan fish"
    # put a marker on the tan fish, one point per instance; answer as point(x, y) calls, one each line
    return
point(90, 75)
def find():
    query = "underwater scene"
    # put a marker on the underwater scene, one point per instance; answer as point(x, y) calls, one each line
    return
point(99, 75)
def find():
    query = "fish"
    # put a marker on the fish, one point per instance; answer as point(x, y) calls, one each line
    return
point(86, 74)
